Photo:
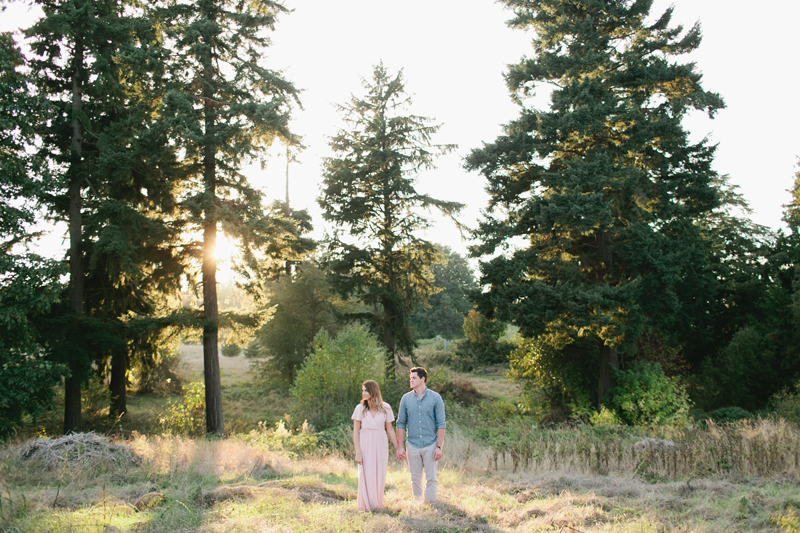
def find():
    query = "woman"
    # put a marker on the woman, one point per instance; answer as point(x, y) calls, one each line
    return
point(371, 418)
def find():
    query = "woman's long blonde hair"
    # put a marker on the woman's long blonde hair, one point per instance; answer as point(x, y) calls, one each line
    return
point(375, 399)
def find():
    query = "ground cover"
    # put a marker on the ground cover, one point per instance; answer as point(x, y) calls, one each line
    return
point(500, 473)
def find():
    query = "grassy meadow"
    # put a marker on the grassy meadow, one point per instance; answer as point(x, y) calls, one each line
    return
point(499, 473)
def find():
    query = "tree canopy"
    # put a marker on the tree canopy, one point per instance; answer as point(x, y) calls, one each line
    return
point(604, 186)
point(370, 194)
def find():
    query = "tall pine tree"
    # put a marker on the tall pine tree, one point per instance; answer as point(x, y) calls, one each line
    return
point(29, 285)
point(604, 186)
point(223, 109)
point(101, 66)
point(370, 192)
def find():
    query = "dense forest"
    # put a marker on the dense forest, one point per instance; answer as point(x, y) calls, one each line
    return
point(634, 281)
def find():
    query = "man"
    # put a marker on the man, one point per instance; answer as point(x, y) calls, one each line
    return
point(421, 413)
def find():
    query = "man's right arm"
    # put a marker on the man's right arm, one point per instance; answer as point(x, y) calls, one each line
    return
point(401, 432)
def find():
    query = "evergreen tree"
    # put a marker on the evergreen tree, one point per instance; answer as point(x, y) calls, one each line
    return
point(369, 191)
point(304, 305)
point(29, 286)
point(446, 310)
point(224, 107)
point(754, 332)
point(100, 65)
point(604, 186)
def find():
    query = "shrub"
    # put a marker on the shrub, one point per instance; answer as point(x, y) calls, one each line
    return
point(295, 442)
point(786, 404)
point(725, 415)
point(644, 396)
point(463, 392)
point(328, 385)
point(605, 418)
point(162, 378)
point(789, 522)
point(187, 415)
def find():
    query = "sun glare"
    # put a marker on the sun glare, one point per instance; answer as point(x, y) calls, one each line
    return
point(225, 254)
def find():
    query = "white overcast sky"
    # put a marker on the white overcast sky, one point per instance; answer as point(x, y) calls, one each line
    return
point(454, 53)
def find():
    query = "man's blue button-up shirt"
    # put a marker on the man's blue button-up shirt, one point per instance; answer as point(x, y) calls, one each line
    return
point(421, 417)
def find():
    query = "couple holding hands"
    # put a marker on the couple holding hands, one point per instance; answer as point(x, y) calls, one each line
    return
point(420, 422)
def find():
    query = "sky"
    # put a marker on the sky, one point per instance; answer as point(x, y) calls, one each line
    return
point(453, 54)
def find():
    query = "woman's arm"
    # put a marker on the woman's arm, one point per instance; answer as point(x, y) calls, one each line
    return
point(357, 440)
point(391, 433)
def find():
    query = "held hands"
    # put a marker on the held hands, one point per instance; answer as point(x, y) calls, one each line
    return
point(400, 454)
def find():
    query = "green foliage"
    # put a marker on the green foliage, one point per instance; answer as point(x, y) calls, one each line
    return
point(789, 522)
point(444, 313)
point(304, 306)
point(482, 332)
point(294, 442)
point(369, 194)
point(328, 385)
point(185, 416)
point(728, 379)
point(481, 346)
point(786, 403)
point(231, 350)
point(223, 108)
point(726, 415)
point(159, 375)
point(30, 286)
point(755, 312)
point(605, 185)
point(605, 418)
point(644, 396)
point(560, 368)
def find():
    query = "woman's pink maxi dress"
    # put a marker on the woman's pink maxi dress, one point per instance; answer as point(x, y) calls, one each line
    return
point(374, 456)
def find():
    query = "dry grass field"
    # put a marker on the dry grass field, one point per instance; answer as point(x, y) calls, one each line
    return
point(232, 369)
point(510, 477)
point(184, 485)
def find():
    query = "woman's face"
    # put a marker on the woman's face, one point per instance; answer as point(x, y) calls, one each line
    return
point(364, 394)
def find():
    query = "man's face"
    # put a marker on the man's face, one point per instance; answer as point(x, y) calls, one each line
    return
point(414, 380)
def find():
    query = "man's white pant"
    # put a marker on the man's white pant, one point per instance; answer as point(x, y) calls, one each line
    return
point(420, 459)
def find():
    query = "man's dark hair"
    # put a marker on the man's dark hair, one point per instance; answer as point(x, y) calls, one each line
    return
point(421, 373)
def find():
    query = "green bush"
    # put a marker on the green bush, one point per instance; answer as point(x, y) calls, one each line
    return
point(725, 415)
point(328, 385)
point(644, 396)
point(605, 418)
point(186, 416)
point(786, 404)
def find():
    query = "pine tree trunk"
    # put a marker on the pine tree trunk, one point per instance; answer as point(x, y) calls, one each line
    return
point(609, 361)
point(389, 341)
point(119, 383)
point(210, 305)
point(72, 388)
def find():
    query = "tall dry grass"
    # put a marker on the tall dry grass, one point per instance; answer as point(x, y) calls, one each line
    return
point(183, 484)
point(764, 448)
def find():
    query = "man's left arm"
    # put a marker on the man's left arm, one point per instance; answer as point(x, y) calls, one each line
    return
point(441, 425)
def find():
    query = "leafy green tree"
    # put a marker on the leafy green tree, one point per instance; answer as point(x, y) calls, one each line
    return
point(644, 396)
point(369, 193)
point(445, 310)
point(223, 109)
point(605, 186)
point(328, 386)
point(304, 307)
